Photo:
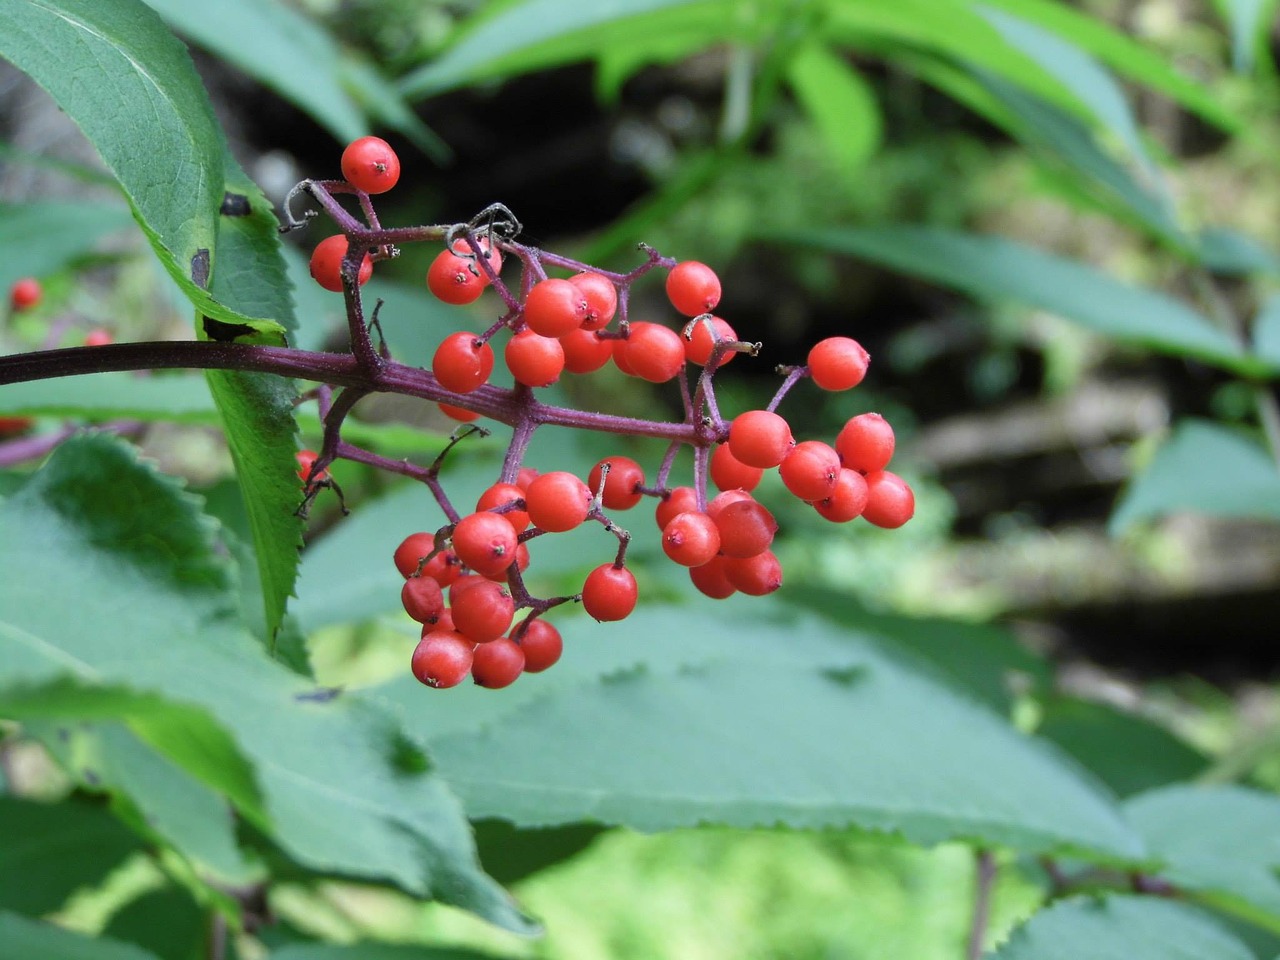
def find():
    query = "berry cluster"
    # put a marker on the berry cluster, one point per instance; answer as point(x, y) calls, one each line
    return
point(464, 582)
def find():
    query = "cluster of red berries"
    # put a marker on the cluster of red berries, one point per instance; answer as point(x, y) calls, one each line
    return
point(464, 582)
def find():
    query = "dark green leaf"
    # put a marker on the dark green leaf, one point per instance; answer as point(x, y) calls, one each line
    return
point(1128, 753)
point(1266, 331)
point(1222, 842)
point(998, 269)
point(178, 398)
point(40, 238)
point(1207, 468)
point(510, 854)
point(1124, 928)
point(167, 922)
point(48, 851)
point(375, 951)
point(23, 939)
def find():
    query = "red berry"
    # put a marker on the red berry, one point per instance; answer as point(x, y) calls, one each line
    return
point(462, 362)
point(502, 495)
point(584, 352)
point(522, 564)
point(525, 476)
point(454, 275)
point(746, 528)
point(98, 338)
point(497, 664)
point(482, 610)
point(693, 288)
point(458, 413)
point(557, 501)
point(865, 443)
point(723, 499)
point(677, 500)
point(810, 470)
point(443, 567)
point(651, 351)
point(697, 349)
point(890, 502)
point(442, 659)
point(306, 461)
point(443, 624)
point(485, 542)
point(609, 593)
point(326, 263)
point(369, 164)
point(711, 580)
point(847, 500)
point(838, 363)
point(760, 438)
point(625, 475)
point(730, 473)
point(601, 296)
point(541, 643)
point(754, 576)
point(691, 539)
point(422, 599)
point(554, 308)
point(10, 425)
point(534, 360)
point(25, 293)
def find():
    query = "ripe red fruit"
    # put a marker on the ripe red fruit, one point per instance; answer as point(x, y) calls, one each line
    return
point(526, 476)
point(890, 501)
point(651, 351)
point(98, 338)
point(485, 542)
point(620, 491)
point(746, 528)
point(422, 599)
point(454, 275)
point(462, 362)
point(458, 413)
point(697, 349)
point(810, 470)
point(522, 564)
point(730, 473)
point(865, 443)
point(693, 288)
point(326, 263)
point(710, 579)
point(609, 593)
point(722, 500)
point(838, 363)
point(691, 539)
point(497, 664)
point(482, 610)
point(601, 296)
point(306, 460)
point(369, 164)
point(847, 500)
point(760, 438)
point(10, 425)
point(443, 567)
point(754, 576)
point(541, 643)
point(442, 659)
point(557, 501)
point(534, 360)
point(25, 293)
point(584, 352)
point(555, 307)
point(500, 495)
point(677, 500)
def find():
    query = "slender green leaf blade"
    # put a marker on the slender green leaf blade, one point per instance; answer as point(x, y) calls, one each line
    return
point(1123, 928)
point(375, 951)
point(1233, 253)
point(998, 269)
point(23, 939)
point(1207, 468)
point(1266, 331)
point(840, 103)
point(1249, 22)
point(40, 238)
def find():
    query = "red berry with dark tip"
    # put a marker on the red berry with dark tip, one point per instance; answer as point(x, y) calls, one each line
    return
point(555, 307)
point(693, 288)
point(620, 492)
point(890, 501)
point(609, 593)
point(691, 539)
point(601, 297)
point(754, 576)
point(541, 643)
point(865, 443)
point(422, 599)
point(847, 500)
point(497, 664)
point(485, 542)
point(442, 659)
point(651, 352)
point(810, 470)
point(326, 263)
point(369, 164)
point(462, 362)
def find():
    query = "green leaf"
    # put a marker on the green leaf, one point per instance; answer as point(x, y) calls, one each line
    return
point(335, 797)
point(840, 103)
point(510, 854)
point(375, 951)
point(1121, 927)
point(127, 81)
point(1235, 254)
point(764, 718)
point(41, 238)
point(1222, 842)
point(1128, 753)
point(176, 398)
point(1266, 331)
point(48, 851)
point(996, 269)
point(380, 99)
point(23, 939)
point(1207, 468)
point(1249, 22)
point(166, 922)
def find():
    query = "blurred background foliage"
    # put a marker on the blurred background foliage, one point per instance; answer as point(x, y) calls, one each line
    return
point(1054, 225)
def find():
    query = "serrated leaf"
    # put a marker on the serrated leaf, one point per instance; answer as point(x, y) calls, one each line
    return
point(1206, 468)
point(997, 269)
point(839, 102)
point(1127, 752)
point(1121, 927)
point(23, 939)
point(48, 851)
point(40, 238)
point(785, 720)
point(1222, 842)
point(163, 614)
point(125, 80)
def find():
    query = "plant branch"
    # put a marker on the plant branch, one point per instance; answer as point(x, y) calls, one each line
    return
point(983, 884)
